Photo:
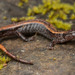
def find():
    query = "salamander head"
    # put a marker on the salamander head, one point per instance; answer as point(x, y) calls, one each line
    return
point(70, 35)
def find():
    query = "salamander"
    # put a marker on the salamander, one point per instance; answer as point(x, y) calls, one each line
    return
point(38, 26)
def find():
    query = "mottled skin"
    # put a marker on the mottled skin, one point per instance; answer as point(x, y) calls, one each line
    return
point(22, 29)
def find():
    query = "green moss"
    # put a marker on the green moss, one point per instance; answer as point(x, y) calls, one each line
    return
point(30, 12)
point(4, 17)
point(3, 60)
point(15, 19)
point(21, 3)
point(62, 15)
point(56, 11)
point(72, 16)
point(60, 24)
point(26, 18)
point(74, 8)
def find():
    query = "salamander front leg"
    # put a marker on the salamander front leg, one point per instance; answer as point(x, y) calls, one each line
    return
point(51, 46)
point(31, 38)
point(21, 36)
point(24, 38)
point(14, 57)
point(57, 41)
point(53, 43)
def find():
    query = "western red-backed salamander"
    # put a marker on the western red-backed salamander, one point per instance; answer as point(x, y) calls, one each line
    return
point(42, 27)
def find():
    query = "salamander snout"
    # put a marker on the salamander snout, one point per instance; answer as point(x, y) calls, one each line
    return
point(73, 33)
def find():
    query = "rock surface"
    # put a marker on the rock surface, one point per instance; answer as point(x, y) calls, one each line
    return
point(60, 61)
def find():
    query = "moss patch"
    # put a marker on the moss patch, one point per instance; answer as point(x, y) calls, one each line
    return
point(54, 11)
point(3, 60)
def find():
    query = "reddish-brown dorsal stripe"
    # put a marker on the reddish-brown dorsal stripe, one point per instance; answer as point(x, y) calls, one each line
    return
point(16, 25)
